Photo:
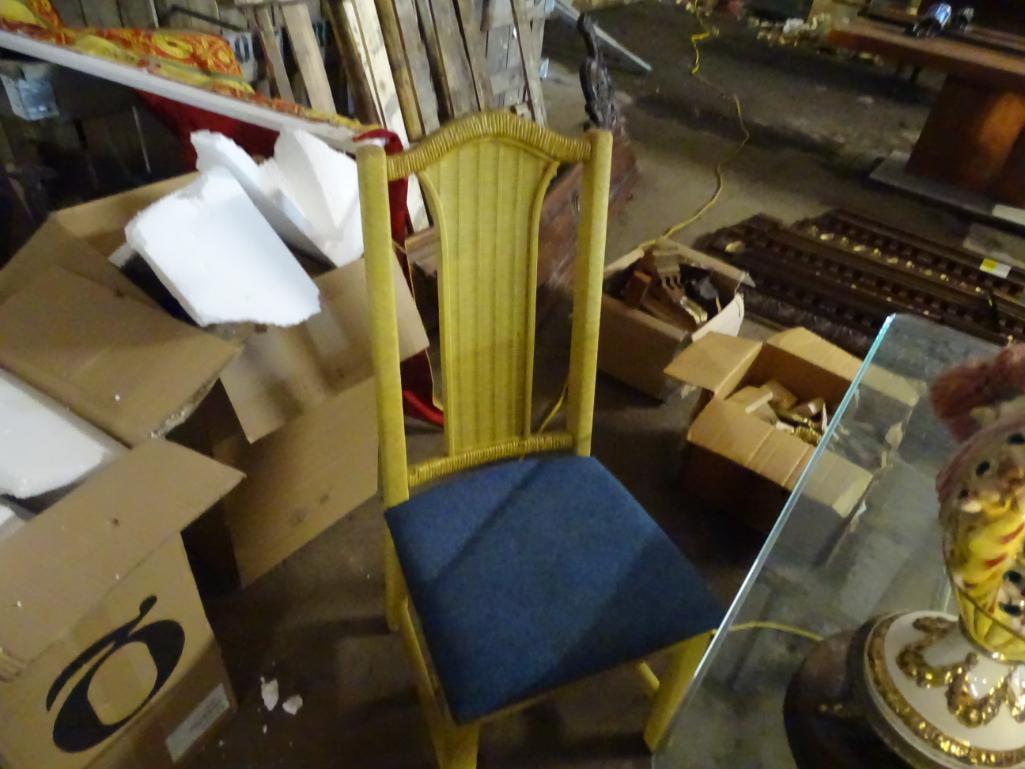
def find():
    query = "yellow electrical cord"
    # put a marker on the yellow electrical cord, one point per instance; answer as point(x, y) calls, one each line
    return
point(778, 626)
point(720, 178)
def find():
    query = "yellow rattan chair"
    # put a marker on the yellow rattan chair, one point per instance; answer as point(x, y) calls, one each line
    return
point(534, 572)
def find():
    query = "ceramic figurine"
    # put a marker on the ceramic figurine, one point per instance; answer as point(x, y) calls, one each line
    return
point(950, 691)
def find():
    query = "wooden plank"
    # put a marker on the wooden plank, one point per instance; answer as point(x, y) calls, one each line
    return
point(356, 83)
point(101, 13)
point(264, 23)
point(337, 136)
point(361, 15)
point(138, 14)
point(499, 14)
point(456, 66)
point(531, 61)
point(433, 45)
point(70, 12)
point(400, 69)
point(299, 26)
point(469, 20)
point(419, 65)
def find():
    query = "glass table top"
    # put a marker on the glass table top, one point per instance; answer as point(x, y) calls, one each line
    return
point(823, 573)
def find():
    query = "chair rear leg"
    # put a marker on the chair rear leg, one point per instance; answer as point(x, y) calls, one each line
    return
point(683, 661)
point(462, 746)
point(394, 585)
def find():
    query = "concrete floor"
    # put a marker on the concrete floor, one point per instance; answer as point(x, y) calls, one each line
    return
point(315, 622)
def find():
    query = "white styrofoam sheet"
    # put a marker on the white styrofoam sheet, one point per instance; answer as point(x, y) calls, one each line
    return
point(215, 252)
point(44, 446)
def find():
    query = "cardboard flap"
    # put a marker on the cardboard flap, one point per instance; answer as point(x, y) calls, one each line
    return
point(812, 347)
point(61, 564)
point(130, 370)
point(52, 246)
point(284, 372)
point(715, 362)
point(726, 429)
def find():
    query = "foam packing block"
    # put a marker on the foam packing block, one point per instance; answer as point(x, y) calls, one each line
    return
point(215, 252)
point(44, 446)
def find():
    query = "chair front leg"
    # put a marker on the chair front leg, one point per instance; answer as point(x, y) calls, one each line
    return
point(394, 584)
point(461, 752)
point(683, 661)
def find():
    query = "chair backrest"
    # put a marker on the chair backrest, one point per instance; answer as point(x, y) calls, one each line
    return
point(485, 177)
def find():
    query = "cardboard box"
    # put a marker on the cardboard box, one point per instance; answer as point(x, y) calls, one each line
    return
point(635, 347)
point(106, 656)
point(294, 398)
point(737, 461)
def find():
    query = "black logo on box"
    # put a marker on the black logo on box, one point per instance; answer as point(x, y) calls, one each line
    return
point(77, 726)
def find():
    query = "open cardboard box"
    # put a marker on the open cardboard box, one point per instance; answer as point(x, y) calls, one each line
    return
point(737, 461)
point(635, 347)
point(299, 413)
point(106, 656)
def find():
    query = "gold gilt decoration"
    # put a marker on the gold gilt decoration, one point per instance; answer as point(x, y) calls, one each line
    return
point(911, 659)
point(969, 709)
point(961, 750)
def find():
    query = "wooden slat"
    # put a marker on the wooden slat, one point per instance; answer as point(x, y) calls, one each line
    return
point(499, 14)
point(361, 17)
point(356, 83)
point(433, 45)
point(400, 69)
point(419, 65)
point(264, 23)
point(70, 12)
point(138, 14)
point(469, 20)
point(205, 7)
point(101, 13)
point(453, 55)
point(299, 26)
point(531, 58)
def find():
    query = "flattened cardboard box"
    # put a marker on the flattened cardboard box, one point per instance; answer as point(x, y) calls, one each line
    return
point(107, 654)
point(738, 461)
point(273, 379)
point(635, 347)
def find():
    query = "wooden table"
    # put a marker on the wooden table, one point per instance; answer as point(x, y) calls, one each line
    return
point(974, 137)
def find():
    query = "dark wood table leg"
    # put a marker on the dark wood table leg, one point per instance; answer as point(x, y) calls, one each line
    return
point(969, 136)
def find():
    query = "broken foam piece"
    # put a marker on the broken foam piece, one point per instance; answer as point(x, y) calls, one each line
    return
point(215, 252)
point(308, 192)
point(324, 184)
point(43, 446)
point(214, 150)
point(12, 518)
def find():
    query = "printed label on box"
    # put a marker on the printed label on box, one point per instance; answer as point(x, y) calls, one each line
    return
point(993, 267)
point(197, 723)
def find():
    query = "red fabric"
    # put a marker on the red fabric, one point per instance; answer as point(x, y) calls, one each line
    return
point(183, 120)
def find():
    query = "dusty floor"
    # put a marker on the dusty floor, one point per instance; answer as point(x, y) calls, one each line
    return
point(315, 622)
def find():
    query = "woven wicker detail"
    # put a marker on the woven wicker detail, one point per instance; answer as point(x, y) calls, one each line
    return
point(433, 469)
point(503, 126)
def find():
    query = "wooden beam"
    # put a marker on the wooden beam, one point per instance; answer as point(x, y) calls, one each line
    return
point(419, 65)
point(138, 14)
point(101, 13)
point(433, 45)
point(299, 26)
point(264, 23)
point(531, 59)
point(70, 12)
point(456, 67)
point(400, 69)
point(361, 16)
point(469, 20)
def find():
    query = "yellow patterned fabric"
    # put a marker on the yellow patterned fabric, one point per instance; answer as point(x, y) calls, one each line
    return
point(194, 58)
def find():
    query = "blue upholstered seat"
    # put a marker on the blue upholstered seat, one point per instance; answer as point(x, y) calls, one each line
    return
point(532, 574)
